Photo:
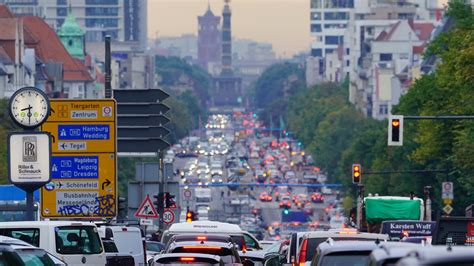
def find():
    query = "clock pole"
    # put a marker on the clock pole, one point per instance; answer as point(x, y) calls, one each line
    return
point(29, 151)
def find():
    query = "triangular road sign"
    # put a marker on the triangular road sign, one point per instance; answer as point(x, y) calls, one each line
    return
point(147, 210)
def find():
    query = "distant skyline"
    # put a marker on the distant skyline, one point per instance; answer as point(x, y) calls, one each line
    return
point(283, 23)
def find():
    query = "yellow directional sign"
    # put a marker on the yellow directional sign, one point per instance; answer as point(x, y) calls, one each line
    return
point(80, 137)
point(84, 183)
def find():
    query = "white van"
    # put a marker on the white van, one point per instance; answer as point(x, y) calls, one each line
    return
point(243, 239)
point(76, 243)
point(128, 240)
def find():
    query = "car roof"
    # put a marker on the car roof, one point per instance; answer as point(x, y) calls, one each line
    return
point(438, 254)
point(344, 234)
point(388, 250)
point(202, 244)
point(329, 247)
point(212, 237)
point(207, 226)
point(198, 255)
point(32, 224)
point(13, 241)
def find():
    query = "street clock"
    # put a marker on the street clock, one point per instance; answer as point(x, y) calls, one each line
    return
point(29, 107)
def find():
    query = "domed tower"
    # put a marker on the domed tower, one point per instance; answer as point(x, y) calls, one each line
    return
point(72, 36)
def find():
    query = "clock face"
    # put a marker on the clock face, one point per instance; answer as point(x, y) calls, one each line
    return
point(29, 107)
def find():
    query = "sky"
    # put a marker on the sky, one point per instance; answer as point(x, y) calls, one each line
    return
point(283, 23)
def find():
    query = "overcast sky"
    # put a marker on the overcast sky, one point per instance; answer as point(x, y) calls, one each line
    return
point(283, 23)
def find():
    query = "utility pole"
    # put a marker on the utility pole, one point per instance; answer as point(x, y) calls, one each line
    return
point(108, 69)
point(427, 203)
point(360, 203)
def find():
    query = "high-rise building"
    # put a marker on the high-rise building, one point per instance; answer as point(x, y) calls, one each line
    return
point(329, 19)
point(208, 39)
point(124, 20)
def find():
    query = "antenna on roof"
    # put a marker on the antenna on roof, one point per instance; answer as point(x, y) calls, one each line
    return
point(69, 10)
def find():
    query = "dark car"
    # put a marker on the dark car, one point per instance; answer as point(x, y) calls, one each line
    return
point(347, 253)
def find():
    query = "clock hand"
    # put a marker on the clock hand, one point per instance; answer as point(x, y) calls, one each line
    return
point(29, 114)
point(28, 108)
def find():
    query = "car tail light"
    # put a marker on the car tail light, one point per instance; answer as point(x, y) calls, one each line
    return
point(302, 258)
point(186, 259)
point(202, 238)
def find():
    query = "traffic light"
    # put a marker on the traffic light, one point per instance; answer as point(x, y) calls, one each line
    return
point(169, 200)
point(356, 173)
point(190, 216)
point(254, 115)
point(122, 208)
point(286, 211)
point(395, 130)
point(158, 201)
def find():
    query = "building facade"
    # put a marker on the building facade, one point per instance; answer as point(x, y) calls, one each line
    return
point(124, 20)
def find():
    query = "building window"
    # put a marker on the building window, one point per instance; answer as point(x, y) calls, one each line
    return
point(61, 11)
point(348, 51)
point(348, 63)
point(338, 3)
point(101, 2)
point(315, 3)
point(315, 15)
point(334, 40)
point(102, 22)
point(317, 52)
point(329, 51)
point(383, 109)
point(61, 2)
point(385, 57)
point(336, 15)
point(315, 27)
point(102, 11)
point(70, 43)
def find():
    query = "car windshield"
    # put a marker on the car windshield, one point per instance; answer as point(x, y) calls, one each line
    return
point(35, 257)
point(345, 259)
point(77, 240)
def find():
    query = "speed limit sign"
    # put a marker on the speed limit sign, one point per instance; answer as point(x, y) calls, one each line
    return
point(168, 216)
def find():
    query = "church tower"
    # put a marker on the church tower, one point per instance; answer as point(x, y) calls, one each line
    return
point(72, 36)
point(208, 39)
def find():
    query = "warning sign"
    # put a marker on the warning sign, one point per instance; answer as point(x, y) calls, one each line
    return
point(147, 210)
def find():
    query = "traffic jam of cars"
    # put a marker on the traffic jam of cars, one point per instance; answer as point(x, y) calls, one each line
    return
point(255, 198)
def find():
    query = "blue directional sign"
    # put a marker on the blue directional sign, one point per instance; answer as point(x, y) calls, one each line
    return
point(75, 167)
point(84, 132)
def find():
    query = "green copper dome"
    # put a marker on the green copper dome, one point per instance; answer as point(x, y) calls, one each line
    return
point(72, 37)
point(70, 27)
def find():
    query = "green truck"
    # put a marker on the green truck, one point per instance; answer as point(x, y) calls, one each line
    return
point(389, 208)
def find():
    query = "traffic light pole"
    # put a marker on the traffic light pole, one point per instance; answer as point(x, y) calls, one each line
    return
point(161, 190)
point(360, 202)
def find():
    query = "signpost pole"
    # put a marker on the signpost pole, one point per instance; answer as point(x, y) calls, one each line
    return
point(161, 188)
point(30, 205)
